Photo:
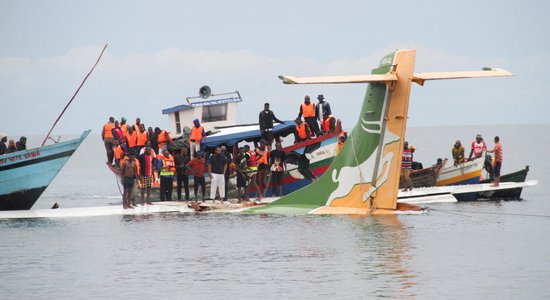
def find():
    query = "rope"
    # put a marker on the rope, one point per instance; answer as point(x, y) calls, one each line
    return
point(491, 213)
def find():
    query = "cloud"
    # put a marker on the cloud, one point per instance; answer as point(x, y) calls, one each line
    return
point(34, 90)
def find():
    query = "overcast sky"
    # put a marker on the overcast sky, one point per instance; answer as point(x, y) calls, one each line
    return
point(162, 51)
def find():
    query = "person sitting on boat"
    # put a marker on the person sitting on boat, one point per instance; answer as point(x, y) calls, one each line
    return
point(406, 165)
point(302, 131)
point(197, 134)
point(107, 137)
point(307, 109)
point(131, 140)
point(322, 108)
point(342, 138)
point(21, 144)
point(328, 123)
point(478, 146)
point(458, 153)
point(265, 121)
point(196, 168)
point(11, 147)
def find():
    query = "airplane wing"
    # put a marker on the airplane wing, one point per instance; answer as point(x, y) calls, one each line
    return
point(339, 79)
point(420, 78)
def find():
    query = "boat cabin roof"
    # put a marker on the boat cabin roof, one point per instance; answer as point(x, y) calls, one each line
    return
point(230, 135)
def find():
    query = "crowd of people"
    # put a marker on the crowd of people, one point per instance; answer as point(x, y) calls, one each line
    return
point(478, 147)
point(11, 145)
point(144, 158)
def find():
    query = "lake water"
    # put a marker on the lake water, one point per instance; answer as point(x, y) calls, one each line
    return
point(473, 250)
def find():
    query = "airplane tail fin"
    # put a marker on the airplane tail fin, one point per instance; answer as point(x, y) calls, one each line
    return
point(364, 177)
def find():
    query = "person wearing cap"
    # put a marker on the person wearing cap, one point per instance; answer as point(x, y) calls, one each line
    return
point(265, 121)
point(307, 109)
point(322, 108)
point(478, 146)
point(458, 153)
point(3, 140)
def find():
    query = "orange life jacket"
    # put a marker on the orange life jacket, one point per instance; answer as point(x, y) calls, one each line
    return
point(142, 138)
point(164, 138)
point(262, 156)
point(326, 123)
point(196, 134)
point(108, 130)
point(308, 110)
point(131, 139)
point(124, 129)
point(168, 165)
point(301, 129)
point(118, 152)
point(253, 160)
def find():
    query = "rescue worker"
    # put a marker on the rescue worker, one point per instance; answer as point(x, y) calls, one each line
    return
point(118, 151)
point(307, 109)
point(406, 165)
point(164, 139)
point(167, 170)
point(478, 146)
point(131, 139)
point(119, 136)
point(322, 108)
point(252, 171)
point(146, 161)
point(262, 157)
point(458, 153)
point(265, 121)
point(328, 123)
point(142, 138)
point(124, 125)
point(107, 137)
point(138, 123)
point(197, 134)
point(302, 131)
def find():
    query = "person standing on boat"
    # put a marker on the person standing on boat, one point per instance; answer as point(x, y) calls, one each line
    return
point(322, 109)
point(228, 159)
point(406, 165)
point(197, 134)
point(129, 174)
point(131, 140)
point(181, 160)
point(146, 174)
point(277, 167)
point(262, 156)
point(265, 121)
point(119, 136)
point(196, 168)
point(137, 125)
point(142, 138)
point(107, 137)
point(498, 161)
point(217, 165)
point(307, 109)
point(152, 136)
point(166, 175)
point(124, 126)
point(458, 153)
point(478, 146)
point(164, 139)
point(241, 164)
point(302, 131)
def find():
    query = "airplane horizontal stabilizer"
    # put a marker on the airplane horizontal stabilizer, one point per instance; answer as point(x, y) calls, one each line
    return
point(339, 79)
point(420, 78)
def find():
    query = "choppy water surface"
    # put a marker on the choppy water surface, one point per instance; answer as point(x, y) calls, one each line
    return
point(456, 251)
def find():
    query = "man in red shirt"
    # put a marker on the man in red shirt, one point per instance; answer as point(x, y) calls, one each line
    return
point(196, 168)
point(498, 160)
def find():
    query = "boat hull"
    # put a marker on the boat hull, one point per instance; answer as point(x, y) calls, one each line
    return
point(513, 193)
point(24, 175)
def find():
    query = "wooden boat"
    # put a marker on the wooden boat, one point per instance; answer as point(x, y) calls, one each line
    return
point(24, 175)
point(428, 176)
point(512, 193)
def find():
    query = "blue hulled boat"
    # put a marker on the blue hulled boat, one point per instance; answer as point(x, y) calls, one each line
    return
point(24, 175)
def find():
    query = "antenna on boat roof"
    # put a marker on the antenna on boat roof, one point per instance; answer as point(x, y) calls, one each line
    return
point(72, 98)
